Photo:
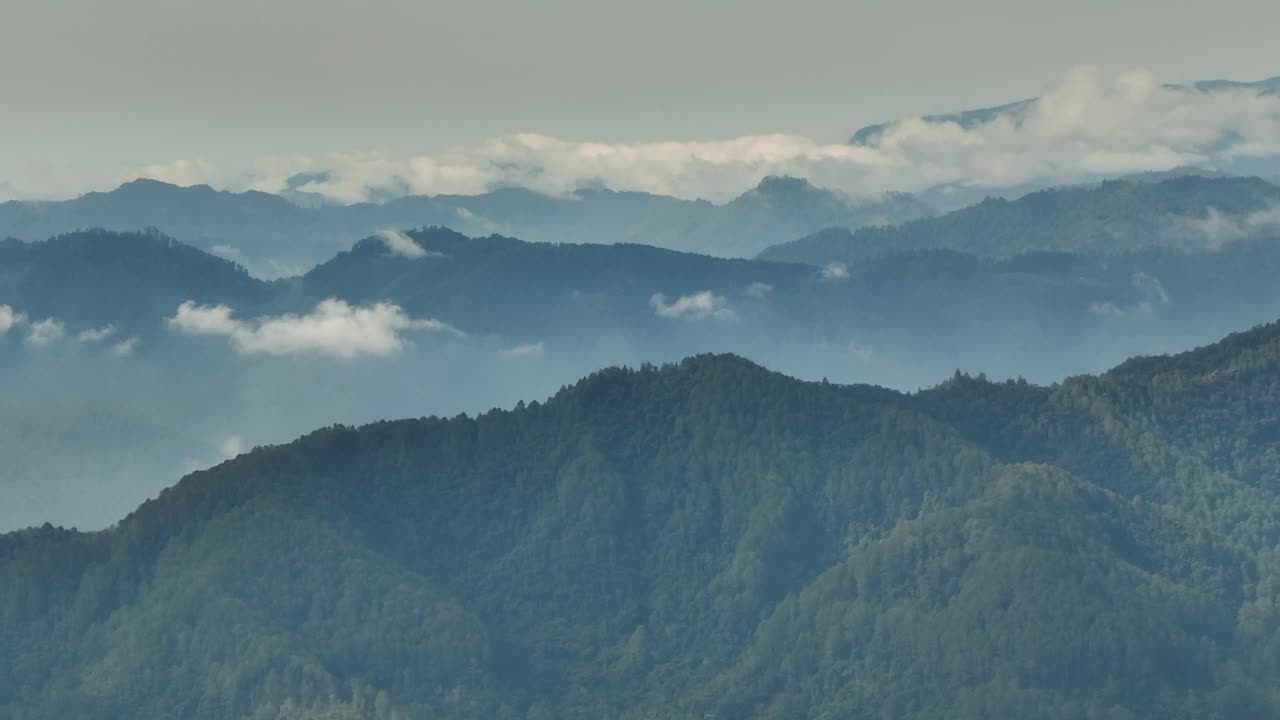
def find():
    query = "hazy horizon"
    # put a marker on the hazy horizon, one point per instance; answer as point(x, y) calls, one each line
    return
point(182, 94)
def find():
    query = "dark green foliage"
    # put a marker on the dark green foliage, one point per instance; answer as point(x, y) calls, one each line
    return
point(706, 539)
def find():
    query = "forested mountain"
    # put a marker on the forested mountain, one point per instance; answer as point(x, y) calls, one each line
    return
point(103, 365)
point(1185, 212)
point(705, 539)
point(275, 237)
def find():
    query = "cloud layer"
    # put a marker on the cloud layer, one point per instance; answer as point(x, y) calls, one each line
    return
point(1089, 125)
point(333, 328)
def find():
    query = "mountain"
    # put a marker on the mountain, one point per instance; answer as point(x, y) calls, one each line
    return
point(872, 134)
point(703, 539)
point(99, 380)
point(275, 236)
point(1185, 212)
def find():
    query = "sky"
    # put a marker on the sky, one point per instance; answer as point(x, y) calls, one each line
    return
point(92, 91)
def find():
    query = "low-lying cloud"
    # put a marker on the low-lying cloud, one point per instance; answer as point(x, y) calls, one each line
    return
point(1217, 229)
point(1089, 125)
point(1150, 295)
point(697, 306)
point(835, 271)
point(333, 328)
point(400, 244)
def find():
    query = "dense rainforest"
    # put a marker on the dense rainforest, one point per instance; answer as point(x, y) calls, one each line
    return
point(706, 539)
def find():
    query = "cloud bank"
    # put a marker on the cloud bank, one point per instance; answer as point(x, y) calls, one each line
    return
point(1089, 125)
point(333, 328)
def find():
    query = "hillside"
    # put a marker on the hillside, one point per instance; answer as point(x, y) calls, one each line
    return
point(99, 380)
point(274, 237)
point(701, 539)
point(1189, 213)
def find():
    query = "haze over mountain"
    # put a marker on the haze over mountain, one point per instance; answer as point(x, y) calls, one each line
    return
point(433, 321)
point(276, 237)
point(1188, 213)
point(707, 539)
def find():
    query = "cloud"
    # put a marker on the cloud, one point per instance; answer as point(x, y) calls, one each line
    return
point(333, 328)
point(1150, 294)
point(10, 318)
point(96, 334)
point(835, 271)
point(1217, 229)
point(195, 319)
point(697, 306)
point(403, 245)
point(524, 350)
point(46, 331)
point(758, 289)
point(179, 172)
point(225, 448)
point(1089, 125)
point(861, 353)
point(125, 347)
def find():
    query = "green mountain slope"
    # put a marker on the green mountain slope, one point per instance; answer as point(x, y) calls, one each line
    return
point(1189, 213)
point(707, 539)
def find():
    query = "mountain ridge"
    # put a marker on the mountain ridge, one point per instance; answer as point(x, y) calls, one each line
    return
point(823, 533)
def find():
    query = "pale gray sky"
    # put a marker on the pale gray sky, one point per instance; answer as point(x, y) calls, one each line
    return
point(90, 88)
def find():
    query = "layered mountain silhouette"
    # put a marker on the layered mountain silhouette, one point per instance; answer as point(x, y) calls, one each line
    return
point(872, 134)
point(100, 377)
point(274, 236)
point(1185, 212)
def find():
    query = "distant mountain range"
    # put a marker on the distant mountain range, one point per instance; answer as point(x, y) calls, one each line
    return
point(435, 321)
point(1189, 213)
point(871, 134)
point(700, 540)
point(274, 236)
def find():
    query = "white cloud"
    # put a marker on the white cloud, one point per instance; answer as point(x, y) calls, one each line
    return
point(403, 245)
point(1089, 125)
point(332, 328)
point(759, 289)
point(10, 318)
point(1150, 295)
point(46, 331)
point(1217, 229)
point(835, 271)
point(96, 334)
point(697, 306)
point(225, 448)
point(179, 172)
point(195, 319)
point(125, 347)
point(1086, 126)
point(523, 350)
point(231, 446)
